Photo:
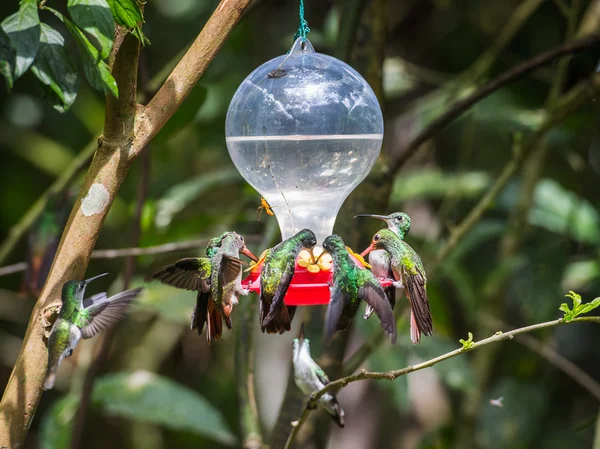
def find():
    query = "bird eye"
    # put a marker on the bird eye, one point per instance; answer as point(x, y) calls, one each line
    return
point(376, 237)
point(241, 238)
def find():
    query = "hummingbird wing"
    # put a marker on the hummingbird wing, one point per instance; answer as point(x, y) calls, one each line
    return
point(191, 273)
point(108, 311)
point(335, 308)
point(373, 294)
point(415, 286)
point(277, 300)
point(231, 268)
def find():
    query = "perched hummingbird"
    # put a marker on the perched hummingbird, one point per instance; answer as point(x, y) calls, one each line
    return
point(350, 285)
point(275, 277)
point(310, 378)
point(79, 318)
point(197, 274)
point(379, 259)
point(409, 273)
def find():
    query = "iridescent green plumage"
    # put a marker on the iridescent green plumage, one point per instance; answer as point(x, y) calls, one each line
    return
point(79, 318)
point(275, 277)
point(351, 284)
point(408, 270)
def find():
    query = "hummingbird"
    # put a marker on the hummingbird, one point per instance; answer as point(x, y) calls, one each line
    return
point(351, 284)
point(196, 273)
point(310, 378)
point(82, 318)
point(275, 277)
point(379, 259)
point(409, 273)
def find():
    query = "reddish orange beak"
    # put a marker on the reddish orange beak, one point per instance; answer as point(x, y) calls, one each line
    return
point(246, 252)
point(368, 250)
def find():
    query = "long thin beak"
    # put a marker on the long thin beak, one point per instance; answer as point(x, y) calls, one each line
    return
point(368, 250)
point(381, 217)
point(245, 251)
point(301, 334)
point(87, 281)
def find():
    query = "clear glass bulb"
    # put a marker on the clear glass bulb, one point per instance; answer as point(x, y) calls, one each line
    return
point(304, 129)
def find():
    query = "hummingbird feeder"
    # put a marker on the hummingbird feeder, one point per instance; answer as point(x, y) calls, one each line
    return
point(304, 129)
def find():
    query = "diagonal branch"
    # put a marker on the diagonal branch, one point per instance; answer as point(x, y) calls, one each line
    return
point(466, 103)
point(394, 374)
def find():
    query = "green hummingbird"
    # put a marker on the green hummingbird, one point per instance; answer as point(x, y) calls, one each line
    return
point(409, 273)
point(351, 284)
point(275, 277)
point(379, 259)
point(197, 274)
point(310, 378)
point(82, 318)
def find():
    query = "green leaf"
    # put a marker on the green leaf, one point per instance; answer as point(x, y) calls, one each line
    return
point(23, 31)
point(467, 344)
point(56, 425)
point(588, 307)
point(147, 397)
point(53, 68)
point(578, 308)
point(7, 59)
point(127, 13)
point(96, 70)
point(95, 18)
point(575, 297)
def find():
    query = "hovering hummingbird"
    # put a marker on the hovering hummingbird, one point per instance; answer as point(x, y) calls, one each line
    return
point(350, 285)
point(79, 318)
point(275, 277)
point(379, 259)
point(310, 378)
point(409, 273)
point(197, 274)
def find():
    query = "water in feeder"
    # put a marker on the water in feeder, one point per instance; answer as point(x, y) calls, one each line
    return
point(304, 130)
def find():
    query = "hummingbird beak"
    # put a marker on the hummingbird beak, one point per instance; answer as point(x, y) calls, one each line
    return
point(381, 217)
point(301, 334)
point(246, 252)
point(368, 250)
point(87, 281)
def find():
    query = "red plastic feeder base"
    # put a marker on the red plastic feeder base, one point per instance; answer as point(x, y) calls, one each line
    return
point(306, 288)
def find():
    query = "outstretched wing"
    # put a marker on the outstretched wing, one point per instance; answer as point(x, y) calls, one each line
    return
point(373, 294)
point(231, 268)
point(191, 273)
point(415, 286)
point(107, 311)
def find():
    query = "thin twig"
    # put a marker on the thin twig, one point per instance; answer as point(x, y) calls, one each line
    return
point(458, 108)
point(394, 374)
point(551, 355)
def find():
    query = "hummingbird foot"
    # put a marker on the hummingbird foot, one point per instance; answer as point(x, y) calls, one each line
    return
point(245, 292)
point(398, 284)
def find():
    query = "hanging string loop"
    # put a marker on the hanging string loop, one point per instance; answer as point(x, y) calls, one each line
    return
point(303, 28)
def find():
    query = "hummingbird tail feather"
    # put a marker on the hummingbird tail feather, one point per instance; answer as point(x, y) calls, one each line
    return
point(338, 412)
point(214, 329)
point(419, 303)
point(50, 378)
point(280, 321)
point(199, 316)
point(415, 333)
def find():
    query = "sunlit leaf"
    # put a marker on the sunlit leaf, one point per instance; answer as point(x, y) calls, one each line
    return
point(179, 196)
point(53, 68)
point(56, 425)
point(579, 274)
point(95, 18)
point(147, 397)
point(96, 70)
point(561, 211)
point(23, 31)
point(127, 13)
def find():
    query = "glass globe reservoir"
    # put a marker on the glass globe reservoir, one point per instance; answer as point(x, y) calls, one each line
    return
point(304, 129)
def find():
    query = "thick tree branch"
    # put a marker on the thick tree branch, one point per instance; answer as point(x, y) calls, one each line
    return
point(458, 108)
point(394, 374)
point(126, 133)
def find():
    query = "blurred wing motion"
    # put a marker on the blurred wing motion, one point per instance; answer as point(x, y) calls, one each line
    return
point(104, 312)
point(191, 273)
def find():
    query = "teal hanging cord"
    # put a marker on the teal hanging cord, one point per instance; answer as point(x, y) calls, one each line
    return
point(303, 28)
